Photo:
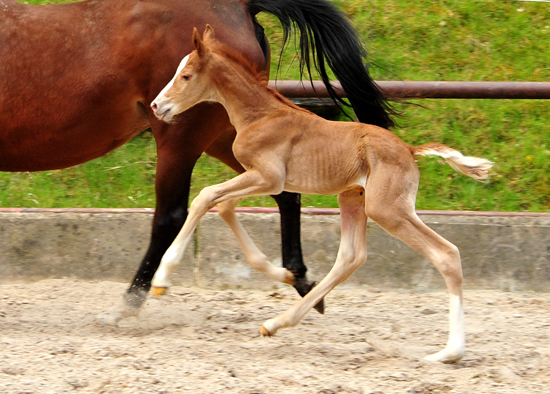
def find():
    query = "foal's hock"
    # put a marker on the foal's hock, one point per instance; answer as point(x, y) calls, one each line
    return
point(284, 147)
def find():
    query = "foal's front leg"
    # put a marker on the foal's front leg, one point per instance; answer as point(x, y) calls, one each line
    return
point(289, 209)
point(250, 183)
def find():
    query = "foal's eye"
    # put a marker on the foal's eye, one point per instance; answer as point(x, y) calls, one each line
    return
point(186, 77)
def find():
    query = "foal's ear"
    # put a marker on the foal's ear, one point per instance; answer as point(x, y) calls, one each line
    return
point(208, 33)
point(199, 45)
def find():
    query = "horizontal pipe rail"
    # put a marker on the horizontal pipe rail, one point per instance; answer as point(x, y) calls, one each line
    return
point(306, 211)
point(426, 89)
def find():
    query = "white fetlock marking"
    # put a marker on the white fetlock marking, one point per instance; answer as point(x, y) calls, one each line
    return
point(161, 282)
point(281, 275)
point(270, 326)
point(456, 345)
point(261, 263)
point(160, 279)
point(162, 276)
point(447, 355)
point(169, 262)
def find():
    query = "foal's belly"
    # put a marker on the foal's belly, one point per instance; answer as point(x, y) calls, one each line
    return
point(325, 177)
point(325, 188)
point(324, 163)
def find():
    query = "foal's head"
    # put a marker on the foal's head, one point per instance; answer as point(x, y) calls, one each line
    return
point(191, 84)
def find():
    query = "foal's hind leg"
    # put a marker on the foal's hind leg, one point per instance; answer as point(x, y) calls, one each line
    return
point(394, 212)
point(351, 255)
point(254, 255)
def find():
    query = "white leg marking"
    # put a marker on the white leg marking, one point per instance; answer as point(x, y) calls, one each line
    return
point(170, 261)
point(456, 345)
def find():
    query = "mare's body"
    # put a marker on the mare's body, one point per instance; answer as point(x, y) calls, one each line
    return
point(283, 147)
point(76, 81)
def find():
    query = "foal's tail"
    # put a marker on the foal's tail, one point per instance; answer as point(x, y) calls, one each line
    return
point(474, 167)
point(327, 36)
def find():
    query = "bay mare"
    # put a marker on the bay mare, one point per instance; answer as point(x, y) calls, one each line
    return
point(284, 147)
point(77, 80)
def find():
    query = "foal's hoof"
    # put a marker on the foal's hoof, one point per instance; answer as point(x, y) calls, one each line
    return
point(264, 332)
point(447, 355)
point(159, 291)
point(269, 328)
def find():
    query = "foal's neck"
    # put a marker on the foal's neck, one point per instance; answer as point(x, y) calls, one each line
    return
point(243, 97)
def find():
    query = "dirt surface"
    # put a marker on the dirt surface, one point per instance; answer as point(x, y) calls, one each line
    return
point(201, 341)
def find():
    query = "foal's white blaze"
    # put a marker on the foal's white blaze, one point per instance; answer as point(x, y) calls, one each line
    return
point(171, 83)
point(160, 104)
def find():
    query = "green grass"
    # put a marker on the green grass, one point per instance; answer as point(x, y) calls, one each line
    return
point(437, 40)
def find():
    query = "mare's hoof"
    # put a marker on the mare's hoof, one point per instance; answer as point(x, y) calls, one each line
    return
point(303, 286)
point(320, 307)
point(159, 291)
point(110, 318)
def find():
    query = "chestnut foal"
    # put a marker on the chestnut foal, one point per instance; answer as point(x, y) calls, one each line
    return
point(283, 147)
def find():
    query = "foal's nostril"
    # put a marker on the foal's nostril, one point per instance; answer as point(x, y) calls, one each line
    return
point(154, 107)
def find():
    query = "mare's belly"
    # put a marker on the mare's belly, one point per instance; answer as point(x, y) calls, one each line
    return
point(52, 148)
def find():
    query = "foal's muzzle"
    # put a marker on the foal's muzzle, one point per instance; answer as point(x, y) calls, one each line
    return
point(161, 110)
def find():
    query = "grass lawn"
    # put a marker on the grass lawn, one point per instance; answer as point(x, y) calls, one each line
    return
point(437, 41)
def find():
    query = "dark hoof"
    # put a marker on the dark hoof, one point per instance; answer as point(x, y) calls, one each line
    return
point(320, 307)
point(303, 286)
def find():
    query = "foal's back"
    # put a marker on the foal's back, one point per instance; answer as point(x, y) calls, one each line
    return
point(329, 157)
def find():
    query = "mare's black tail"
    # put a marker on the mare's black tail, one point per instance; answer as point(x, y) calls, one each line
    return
point(327, 36)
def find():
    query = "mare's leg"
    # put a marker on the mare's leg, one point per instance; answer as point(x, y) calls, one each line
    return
point(179, 145)
point(289, 207)
point(394, 212)
point(254, 255)
point(250, 183)
point(351, 255)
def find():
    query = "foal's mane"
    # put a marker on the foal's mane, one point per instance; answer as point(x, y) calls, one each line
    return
point(254, 73)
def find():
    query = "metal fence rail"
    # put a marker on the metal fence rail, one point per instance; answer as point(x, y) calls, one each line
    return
point(427, 89)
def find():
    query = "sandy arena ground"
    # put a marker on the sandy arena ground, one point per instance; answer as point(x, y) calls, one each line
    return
point(202, 341)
